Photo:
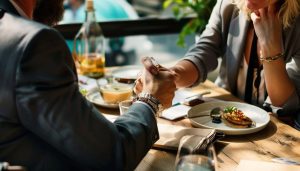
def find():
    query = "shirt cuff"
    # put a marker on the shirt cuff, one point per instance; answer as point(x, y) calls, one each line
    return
point(290, 107)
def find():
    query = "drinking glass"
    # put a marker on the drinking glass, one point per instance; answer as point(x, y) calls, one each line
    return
point(195, 162)
point(194, 154)
point(124, 106)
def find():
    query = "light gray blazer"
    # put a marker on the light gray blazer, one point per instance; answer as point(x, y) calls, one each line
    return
point(225, 36)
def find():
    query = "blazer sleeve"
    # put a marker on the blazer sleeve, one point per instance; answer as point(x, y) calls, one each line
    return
point(209, 46)
point(293, 70)
point(50, 105)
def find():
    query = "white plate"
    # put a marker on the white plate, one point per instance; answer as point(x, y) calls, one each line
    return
point(95, 97)
point(126, 73)
point(258, 115)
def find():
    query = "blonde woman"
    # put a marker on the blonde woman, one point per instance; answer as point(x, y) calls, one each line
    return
point(259, 43)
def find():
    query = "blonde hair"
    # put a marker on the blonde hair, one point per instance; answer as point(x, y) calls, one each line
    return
point(289, 10)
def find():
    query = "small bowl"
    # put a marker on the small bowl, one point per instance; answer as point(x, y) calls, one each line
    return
point(114, 93)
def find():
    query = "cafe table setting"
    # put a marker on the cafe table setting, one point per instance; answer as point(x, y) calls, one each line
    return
point(189, 128)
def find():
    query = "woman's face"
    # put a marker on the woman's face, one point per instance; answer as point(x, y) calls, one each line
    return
point(257, 4)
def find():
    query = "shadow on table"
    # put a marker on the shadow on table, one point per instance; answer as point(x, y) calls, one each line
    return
point(265, 133)
point(227, 97)
point(219, 146)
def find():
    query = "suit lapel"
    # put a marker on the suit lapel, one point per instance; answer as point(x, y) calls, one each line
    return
point(236, 43)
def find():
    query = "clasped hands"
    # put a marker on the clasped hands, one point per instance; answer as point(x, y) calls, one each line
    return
point(156, 80)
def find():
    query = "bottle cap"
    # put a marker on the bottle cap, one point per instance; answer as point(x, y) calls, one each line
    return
point(90, 5)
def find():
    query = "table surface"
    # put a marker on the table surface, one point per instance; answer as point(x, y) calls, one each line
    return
point(276, 140)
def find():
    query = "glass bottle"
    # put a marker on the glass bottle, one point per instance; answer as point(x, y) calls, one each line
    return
point(89, 46)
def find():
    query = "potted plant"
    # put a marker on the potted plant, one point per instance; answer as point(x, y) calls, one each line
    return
point(199, 9)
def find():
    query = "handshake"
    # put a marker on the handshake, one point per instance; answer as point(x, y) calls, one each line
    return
point(156, 80)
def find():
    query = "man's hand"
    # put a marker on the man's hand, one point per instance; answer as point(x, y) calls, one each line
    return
point(156, 80)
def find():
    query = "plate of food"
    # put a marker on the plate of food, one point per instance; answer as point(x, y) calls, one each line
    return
point(126, 74)
point(109, 95)
point(232, 118)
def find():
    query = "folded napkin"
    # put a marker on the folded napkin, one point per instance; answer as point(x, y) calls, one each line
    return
point(175, 112)
point(170, 136)
point(196, 138)
point(195, 144)
point(183, 102)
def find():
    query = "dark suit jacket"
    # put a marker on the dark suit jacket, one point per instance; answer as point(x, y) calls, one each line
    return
point(45, 123)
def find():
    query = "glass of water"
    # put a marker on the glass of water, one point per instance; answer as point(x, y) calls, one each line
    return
point(124, 106)
point(195, 162)
point(203, 161)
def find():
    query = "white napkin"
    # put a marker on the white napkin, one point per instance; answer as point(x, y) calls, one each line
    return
point(90, 83)
point(180, 110)
point(175, 112)
point(170, 135)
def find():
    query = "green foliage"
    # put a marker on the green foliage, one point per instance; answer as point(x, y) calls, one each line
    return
point(201, 9)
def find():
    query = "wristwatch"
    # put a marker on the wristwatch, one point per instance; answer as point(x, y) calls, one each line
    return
point(153, 102)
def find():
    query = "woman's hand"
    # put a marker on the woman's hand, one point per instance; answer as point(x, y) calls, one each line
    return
point(268, 29)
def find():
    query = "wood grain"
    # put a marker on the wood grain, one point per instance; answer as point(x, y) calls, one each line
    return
point(276, 140)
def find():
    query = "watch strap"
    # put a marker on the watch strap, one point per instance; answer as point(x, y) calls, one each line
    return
point(147, 98)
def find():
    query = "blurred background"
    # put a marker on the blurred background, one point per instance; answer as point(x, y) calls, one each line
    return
point(128, 50)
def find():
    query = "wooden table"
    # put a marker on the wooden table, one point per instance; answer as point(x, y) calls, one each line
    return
point(276, 140)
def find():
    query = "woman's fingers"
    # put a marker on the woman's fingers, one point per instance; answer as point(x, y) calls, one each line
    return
point(150, 66)
point(138, 87)
point(254, 17)
point(156, 80)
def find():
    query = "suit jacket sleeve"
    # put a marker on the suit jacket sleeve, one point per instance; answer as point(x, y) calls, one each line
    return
point(50, 105)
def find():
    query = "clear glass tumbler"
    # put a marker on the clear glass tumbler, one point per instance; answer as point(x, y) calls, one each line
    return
point(195, 162)
point(124, 106)
point(193, 155)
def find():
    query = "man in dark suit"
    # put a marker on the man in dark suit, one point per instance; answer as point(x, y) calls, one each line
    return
point(45, 123)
